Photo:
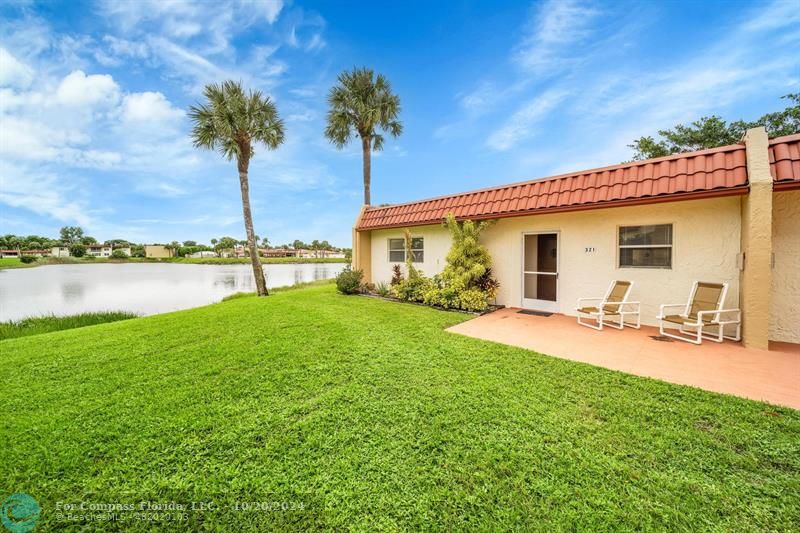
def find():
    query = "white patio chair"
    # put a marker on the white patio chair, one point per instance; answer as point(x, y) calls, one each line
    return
point(614, 304)
point(703, 311)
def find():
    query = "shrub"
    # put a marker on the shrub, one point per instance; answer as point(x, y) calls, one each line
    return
point(349, 281)
point(473, 300)
point(28, 259)
point(414, 288)
point(382, 289)
point(488, 284)
point(118, 254)
point(77, 250)
point(397, 275)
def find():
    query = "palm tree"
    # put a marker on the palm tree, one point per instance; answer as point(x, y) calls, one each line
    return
point(361, 104)
point(229, 122)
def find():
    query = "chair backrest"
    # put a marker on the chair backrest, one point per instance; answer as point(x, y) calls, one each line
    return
point(617, 293)
point(706, 297)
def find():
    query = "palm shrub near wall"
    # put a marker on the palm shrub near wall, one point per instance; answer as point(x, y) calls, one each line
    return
point(465, 283)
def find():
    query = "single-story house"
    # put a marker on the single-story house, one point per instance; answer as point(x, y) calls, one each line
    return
point(728, 214)
point(203, 254)
point(20, 253)
point(157, 251)
point(43, 252)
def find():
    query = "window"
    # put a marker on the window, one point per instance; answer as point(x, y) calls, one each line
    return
point(645, 246)
point(397, 250)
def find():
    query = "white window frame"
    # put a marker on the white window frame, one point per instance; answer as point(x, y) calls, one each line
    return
point(671, 246)
point(389, 249)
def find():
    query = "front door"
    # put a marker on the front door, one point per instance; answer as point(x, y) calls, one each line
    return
point(540, 271)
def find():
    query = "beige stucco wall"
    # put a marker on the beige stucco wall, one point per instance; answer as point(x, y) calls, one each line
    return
point(706, 242)
point(437, 244)
point(785, 305)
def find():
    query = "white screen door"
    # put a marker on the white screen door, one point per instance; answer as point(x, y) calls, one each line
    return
point(540, 271)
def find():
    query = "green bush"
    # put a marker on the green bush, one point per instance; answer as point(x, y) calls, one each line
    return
point(473, 300)
point(414, 288)
point(118, 254)
point(77, 250)
point(28, 259)
point(349, 281)
point(382, 289)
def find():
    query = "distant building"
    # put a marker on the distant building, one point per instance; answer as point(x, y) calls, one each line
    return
point(158, 251)
point(99, 250)
point(59, 251)
point(125, 249)
point(203, 254)
point(20, 253)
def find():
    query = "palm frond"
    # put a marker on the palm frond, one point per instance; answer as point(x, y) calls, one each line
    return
point(231, 119)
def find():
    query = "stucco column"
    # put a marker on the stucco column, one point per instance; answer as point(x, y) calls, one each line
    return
point(756, 278)
point(362, 249)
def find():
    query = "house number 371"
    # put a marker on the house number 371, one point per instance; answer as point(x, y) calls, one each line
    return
point(590, 249)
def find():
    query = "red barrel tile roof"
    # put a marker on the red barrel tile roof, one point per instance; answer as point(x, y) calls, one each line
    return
point(716, 172)
point(784, 162)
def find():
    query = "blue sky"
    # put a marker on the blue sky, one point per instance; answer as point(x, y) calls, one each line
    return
point(93, 99)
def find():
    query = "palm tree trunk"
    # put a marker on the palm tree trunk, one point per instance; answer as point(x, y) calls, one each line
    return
point(366, 148)
point(258, 269)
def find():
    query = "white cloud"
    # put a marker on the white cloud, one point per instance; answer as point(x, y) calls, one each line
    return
point(78, 89)
point(557, 26)
point(43, 193)
point(520, 125)
point(13, 72)
point(149, 107)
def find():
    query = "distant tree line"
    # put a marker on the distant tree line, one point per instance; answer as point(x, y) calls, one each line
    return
point(74, 238)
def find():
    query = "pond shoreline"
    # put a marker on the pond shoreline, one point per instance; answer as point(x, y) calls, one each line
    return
point(138, 287)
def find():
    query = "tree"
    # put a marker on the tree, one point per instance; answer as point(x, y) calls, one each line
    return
point(360, 104)
point(190, 243)
point(213, 243)
point(265, 242)
point(230, 122)
point(713, 131)
point(77, 249)
point(225, 243)
point(298, 244)
point(71, 234)
point(87, 240)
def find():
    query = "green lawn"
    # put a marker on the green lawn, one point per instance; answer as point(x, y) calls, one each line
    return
point(46, 324)
point(370, 416)
point(11, 262)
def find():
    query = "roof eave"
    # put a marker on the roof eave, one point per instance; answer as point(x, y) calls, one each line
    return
point(675, 197)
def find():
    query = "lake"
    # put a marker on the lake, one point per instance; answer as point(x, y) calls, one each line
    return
point(142, 288)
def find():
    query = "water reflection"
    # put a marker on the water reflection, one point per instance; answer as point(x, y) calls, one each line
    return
point(141, 288)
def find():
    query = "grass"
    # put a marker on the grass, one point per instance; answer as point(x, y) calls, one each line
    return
point(12, 262)
point(372, 417)
point(47, 324)
point(16, 263)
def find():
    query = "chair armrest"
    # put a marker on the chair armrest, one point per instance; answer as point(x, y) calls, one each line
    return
point(588, 300)
point(665, 306)
point(635, 304)
point(718, 312)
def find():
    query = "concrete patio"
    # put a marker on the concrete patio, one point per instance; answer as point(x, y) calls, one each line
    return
point(772, 376)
